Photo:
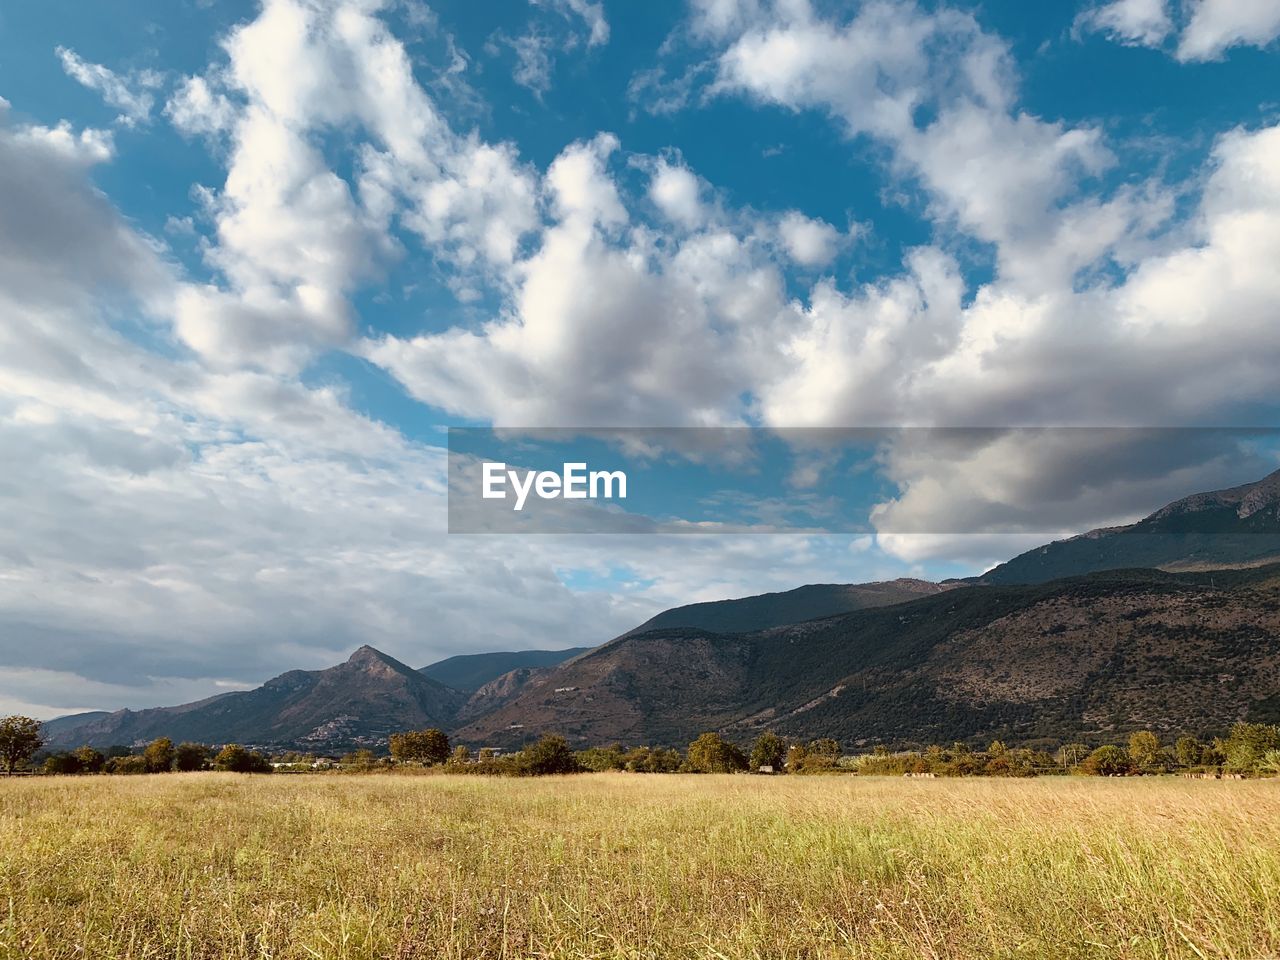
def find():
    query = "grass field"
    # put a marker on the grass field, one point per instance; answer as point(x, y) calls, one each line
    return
point(626, 865)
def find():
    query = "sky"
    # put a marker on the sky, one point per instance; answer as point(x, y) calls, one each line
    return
point(257, 258)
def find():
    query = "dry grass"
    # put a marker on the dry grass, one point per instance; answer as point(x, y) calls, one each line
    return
point(616, 865)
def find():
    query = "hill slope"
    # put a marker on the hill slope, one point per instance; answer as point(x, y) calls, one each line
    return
point(1220, 529)
point(1087, 658)
point(469, 672)
point(357, 702)
point(790, 606)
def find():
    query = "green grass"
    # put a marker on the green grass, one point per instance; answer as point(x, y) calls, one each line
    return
point(618, 865)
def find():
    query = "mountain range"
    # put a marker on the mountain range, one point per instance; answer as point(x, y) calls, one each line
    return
point(1236, 527)
point(1172, 623)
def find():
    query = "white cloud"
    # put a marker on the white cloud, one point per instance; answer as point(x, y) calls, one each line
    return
point(534, 62)
point(195, 108)
point(293, 238)
point(165, 507)
point(592, 14)
point(132, 94)
point(674, 188)
point(807, 241)
point(1217, 25)
point(1144, 23)
point(1205, 29)
point(176, 519)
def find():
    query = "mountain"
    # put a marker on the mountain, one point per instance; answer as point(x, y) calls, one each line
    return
point(791, 606)
point(358, 702)
point(371, 695)
point(469, 672)
point(1224, 528)
point(499, 691)
point(1087, 658)
point(1062, 641)
point(52, 728)
point(716, 616)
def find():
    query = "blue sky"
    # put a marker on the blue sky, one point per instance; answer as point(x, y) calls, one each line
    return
point(256, 258)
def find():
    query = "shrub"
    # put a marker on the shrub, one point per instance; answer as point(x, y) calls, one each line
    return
point(1247, 744)
point(234, 758)
point(90, 760)
point(1145, 753)
point(159, 755)
point(654, 760)
point(1188, 751)
point(710, 753)
point(461, 754)
point(600, 759)
point(428, 747)
point(1108, 761)
point(363, 759)
point(190, 756)
point(770, 750)
point(61, 764)
point(129, 765)
point(549, 755)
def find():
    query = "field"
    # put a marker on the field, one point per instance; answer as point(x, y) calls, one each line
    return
point(627, 865)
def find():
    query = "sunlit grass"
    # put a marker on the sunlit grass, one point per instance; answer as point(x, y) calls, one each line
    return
point(625, 865)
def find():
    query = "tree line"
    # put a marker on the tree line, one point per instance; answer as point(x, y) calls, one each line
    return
point(1249, 749)
point(21, 740)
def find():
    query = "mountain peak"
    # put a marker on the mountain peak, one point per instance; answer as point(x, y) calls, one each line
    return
point(1234, 527)
point(370, 657)
point(1248, 499)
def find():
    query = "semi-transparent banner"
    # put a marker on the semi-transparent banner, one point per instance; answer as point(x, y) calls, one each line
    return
point(922, 481)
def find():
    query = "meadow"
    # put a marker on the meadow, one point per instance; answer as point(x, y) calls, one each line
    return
point(630, 865)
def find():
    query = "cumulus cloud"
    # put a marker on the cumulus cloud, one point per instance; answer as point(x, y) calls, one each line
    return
point(807, 241)
point(180, 523)
point(195, 108)
point(675, 188)
point(197, 512)
point(293, 238)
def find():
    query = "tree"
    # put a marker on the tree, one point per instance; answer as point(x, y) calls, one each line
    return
point(1145, 752)
point(236, 759)
point(62, 763)
point(770, 750)
point(826, 747)
point(190, 756)
point(19, 740)
point(90, 760)
point(653, 760)
point(159, 755)
point(1188, 751)
point(427, 747)
point(461, 754)
point(819, 755)
point(710, 753)
point(126, 765)
point(1108, 761)
point(1270, 762)
point(549, 755)
point(796, 757)
point(1247, 744)
point(602, 759)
